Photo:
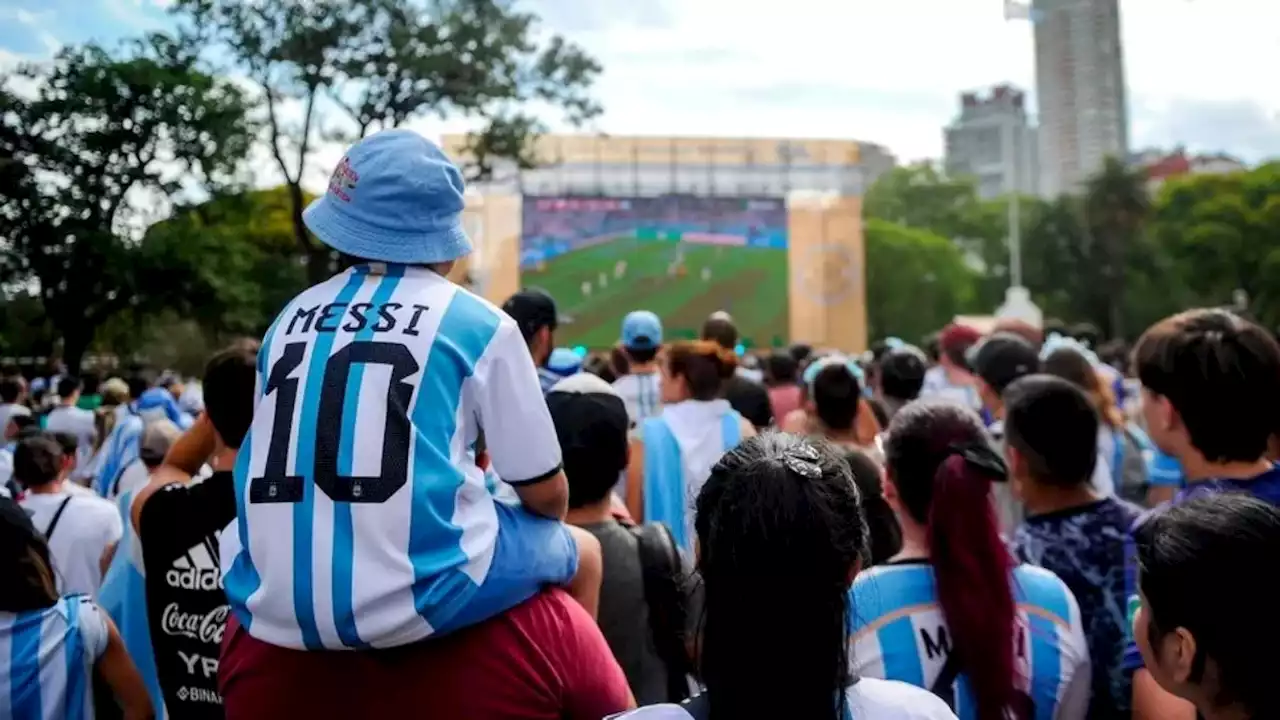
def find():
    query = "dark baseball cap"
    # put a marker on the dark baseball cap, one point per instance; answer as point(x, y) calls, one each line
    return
point(533, 309)
point(1002, 358)
point(592, 425)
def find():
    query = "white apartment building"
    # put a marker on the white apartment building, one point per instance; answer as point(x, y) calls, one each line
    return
point(993, 142)
point(1081, 90)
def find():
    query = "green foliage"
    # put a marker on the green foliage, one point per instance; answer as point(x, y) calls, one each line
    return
point(916, 280)
point(1112, 256)
point(382, 63)
point(103, 130)
point(1219, 233)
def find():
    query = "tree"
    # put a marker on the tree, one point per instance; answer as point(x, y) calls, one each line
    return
point(380, 63)
point(101, 132)
point(917, 281)
point(250, 265)
point(1219, 233)
point(919, 196)
point(1116, 208)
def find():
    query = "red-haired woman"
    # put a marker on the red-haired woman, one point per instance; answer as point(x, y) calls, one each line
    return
point(953, 612)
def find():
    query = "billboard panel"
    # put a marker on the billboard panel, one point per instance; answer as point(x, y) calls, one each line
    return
point(681, 257)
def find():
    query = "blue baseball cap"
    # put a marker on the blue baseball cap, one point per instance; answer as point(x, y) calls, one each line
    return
point(641, 330)
point(396, 198)
point(564, 362)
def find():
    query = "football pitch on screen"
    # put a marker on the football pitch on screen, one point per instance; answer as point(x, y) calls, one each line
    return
point(682, 282)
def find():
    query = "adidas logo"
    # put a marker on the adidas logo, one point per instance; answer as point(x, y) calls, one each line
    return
point(196, 570)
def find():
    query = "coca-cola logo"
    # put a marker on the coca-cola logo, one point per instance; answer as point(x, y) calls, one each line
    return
point(207, 627)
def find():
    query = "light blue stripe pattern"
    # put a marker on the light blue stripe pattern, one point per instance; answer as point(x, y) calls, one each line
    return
point(664, 480)
point(343, 534)
point(73, 648)
point(898, 647)
point(123, 596)
point(440, 588)
point(1049, 595)
point(304, 465)
point(24, 666)
point(242, 580)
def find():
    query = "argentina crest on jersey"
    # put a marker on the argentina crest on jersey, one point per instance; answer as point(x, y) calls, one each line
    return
point(355, 492)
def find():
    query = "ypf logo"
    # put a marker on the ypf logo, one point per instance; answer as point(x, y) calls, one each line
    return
point(827, 274)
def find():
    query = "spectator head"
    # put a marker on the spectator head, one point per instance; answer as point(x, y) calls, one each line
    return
point(174, 385)
point(535, 314)
point(932, 347)
point(719, 329)
point(835, 391)
point(998, 361)
point(564, 362)
point(775, 500)
point(954, 343)
point(12, 389)
point(37, 461)
point(781, 369)
point(1201, 596)
point(15, 421)
point(1073, 366)
point(395, 197)
point(939, 470)
point(1054, 326)
point(24, 563)
point(92, 383)
point(901, 374)
point(1210, 386)
point(1087, 333)
point(69, 388)
point(140, 381)
point(695, 370)
point(1051, 435)
point(156, 440)
point(599, 365)
point(229, 382)
point(800, 352)
point(884, 533)
point(592, 425)
point(115, 392)
point(641, 336)
point(68, 444)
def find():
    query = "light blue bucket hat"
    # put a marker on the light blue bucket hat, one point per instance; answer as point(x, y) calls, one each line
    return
point(395, 197)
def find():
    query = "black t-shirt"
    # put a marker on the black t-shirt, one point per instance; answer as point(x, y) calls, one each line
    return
point(186, 608)
point(750, 399)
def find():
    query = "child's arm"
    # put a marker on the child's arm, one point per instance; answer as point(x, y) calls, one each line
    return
point(519, 434)
point(122, 676)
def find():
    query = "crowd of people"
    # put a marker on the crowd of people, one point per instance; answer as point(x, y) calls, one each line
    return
point(407, 501)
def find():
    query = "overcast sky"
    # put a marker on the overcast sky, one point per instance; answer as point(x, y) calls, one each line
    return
point(1202, 73)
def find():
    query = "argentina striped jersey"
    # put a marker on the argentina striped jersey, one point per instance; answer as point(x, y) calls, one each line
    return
point(899, 633)
point(47, 658)
point(363, 520)
point(642, 395)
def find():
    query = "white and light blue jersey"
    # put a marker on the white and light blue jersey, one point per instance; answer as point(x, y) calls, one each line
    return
point(47, 658)
point(363, 520)
point(899, 633)
point(642, 395)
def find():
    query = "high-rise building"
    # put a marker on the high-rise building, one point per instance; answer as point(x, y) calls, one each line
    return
point(992, 141)
point(1080, 86)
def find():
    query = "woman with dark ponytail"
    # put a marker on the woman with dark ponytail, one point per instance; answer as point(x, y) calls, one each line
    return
point(953, 612)
point(780, 537)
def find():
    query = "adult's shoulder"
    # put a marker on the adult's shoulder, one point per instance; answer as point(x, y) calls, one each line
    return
point(886, 699)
